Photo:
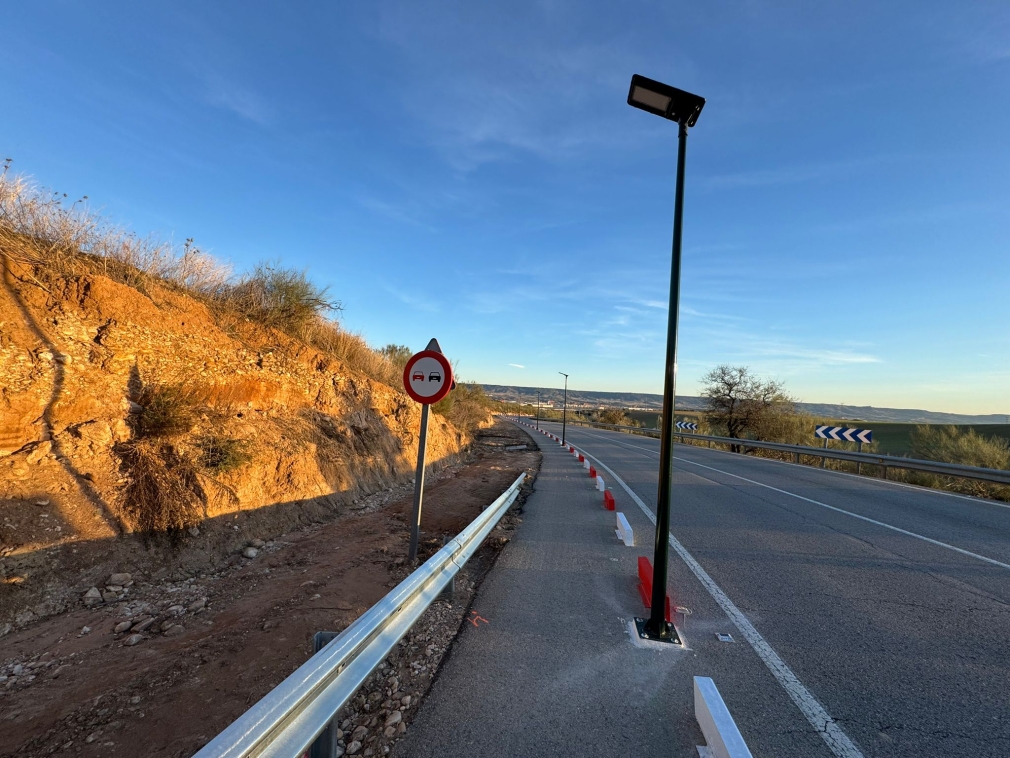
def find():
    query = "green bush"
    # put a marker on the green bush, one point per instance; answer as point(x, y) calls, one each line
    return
point(223, 454)
point(280, 298)
point(170, 410)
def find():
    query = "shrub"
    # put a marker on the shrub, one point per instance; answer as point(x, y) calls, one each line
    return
point(950, 444)
point(223, 454)
point(615, 416)
point(279, 298)
point(170, 410)
point(163, 493)
point(467, 407)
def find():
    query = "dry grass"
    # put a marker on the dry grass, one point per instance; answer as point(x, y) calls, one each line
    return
point(60, 238)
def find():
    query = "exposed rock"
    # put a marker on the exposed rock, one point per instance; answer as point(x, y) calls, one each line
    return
point(394, 718)
point(122, 626)
point(92, 597)
point(143, 624)
point(121, 579)
point(197, 605)
point(175, 630)
point(109, 597)
point(359, 733)
point(85, 630)
point(133, 639)
point(256, 543)
point(353, 748)
point(18, 670)
point(250, 552)
point(39, 451)
point(176, 610)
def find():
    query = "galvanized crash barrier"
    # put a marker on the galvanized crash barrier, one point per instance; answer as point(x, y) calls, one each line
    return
point(287, 720)
point(997, 476)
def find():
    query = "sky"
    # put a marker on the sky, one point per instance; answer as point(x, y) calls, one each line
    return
point(472, 172)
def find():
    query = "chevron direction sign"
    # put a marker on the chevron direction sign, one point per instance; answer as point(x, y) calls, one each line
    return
point(843, 433)
point(690, 425)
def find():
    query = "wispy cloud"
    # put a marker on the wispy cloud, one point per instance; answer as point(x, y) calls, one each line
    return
point(788, 174)
point(230, 96)
point(517, 365)
point(414, 301)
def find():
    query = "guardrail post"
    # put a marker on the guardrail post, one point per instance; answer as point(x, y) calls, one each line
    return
point(825, 446)
point(325, 745)
point(449, 593)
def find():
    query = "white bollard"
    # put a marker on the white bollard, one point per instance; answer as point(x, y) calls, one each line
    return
point(586, 463)
point(721, 733)
point(599, 483)
point(624, 532)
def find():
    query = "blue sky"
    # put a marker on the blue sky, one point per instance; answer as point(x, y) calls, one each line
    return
point(474, 173)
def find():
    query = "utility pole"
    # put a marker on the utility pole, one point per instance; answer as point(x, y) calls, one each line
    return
point(564, 411)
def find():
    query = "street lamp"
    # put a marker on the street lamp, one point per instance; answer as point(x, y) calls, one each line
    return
point(538, 410)
point(564, 411)
point(684, 108)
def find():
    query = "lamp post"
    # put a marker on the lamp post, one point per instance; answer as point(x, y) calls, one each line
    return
point(538, 411)
point(684, 108)
point(564, 410)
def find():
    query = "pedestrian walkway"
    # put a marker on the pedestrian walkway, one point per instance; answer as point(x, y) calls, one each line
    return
point(546, 665)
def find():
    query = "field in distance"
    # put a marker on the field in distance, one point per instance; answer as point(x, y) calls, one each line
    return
point(891, 438)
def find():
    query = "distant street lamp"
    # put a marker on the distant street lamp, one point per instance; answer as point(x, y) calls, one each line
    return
point(684, 108)
point(564, 412)
point(538, 411)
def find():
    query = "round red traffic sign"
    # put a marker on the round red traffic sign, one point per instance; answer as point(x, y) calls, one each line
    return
point(427, 377)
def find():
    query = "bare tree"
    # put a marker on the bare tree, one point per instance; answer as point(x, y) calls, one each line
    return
point(745, 405)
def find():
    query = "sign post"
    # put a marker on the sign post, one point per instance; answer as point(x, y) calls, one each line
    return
point(427, 378)
point(846, 434)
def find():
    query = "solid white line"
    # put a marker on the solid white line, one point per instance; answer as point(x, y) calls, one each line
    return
point(898, 529)
point(837, 741)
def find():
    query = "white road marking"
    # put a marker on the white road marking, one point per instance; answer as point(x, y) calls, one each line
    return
point(837, 741)
point(864, 479)
point(898, 529)
point(930, 540)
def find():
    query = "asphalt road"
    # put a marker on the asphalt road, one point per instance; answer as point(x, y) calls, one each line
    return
point(882, 608)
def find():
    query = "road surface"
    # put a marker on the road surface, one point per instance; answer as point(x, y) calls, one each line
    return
point(888, 606)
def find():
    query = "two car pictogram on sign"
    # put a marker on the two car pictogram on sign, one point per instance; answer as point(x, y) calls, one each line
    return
point(418, 376)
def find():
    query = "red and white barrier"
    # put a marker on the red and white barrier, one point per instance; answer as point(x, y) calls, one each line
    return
point(645, 586)
point(624, 532)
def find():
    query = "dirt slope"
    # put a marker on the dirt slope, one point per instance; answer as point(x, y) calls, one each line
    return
point(79, 357)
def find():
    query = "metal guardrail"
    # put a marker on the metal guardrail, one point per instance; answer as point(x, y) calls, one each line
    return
point(997, 476)
point(287, 720)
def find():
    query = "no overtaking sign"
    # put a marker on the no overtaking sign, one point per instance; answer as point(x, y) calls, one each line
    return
point(427, 377)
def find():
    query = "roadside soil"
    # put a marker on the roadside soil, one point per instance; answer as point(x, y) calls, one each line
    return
point(216, 642)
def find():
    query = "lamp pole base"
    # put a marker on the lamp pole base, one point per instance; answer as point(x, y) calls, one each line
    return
point(669, 633)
